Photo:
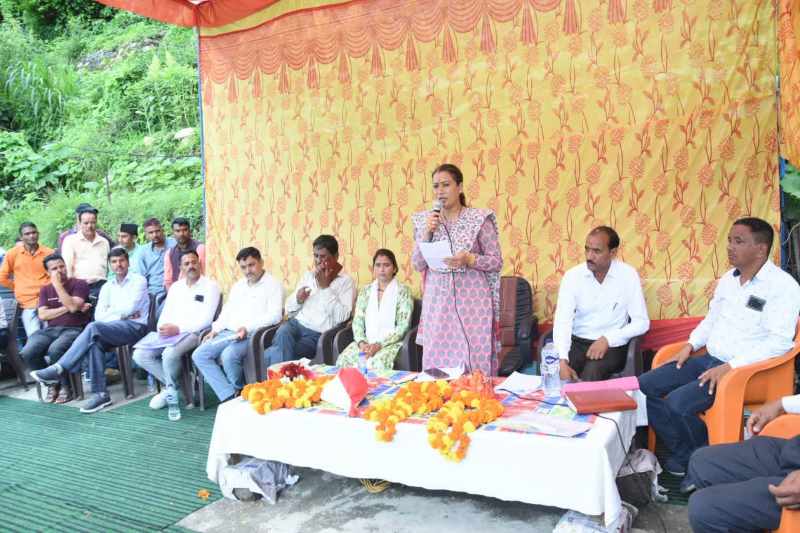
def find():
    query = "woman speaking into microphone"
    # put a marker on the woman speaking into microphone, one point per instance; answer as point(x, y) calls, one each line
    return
point(460, 304)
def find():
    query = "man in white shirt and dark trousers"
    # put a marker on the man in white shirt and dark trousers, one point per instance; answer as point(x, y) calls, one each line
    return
point(744, 486)
point(323, 299)
point(751, 317)
point(600, 309)
point(189, 308)
point(256, 301)
point(120, 318)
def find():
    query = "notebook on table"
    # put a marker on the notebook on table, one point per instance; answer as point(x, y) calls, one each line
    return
point(600, 401)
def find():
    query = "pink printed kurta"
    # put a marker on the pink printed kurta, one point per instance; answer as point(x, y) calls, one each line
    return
point(476, 292)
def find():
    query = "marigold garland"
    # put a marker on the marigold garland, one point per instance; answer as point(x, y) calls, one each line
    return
point(448, 430)
point(275, 393)
point(412, 398)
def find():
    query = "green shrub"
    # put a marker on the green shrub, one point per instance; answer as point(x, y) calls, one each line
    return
point(58, 213)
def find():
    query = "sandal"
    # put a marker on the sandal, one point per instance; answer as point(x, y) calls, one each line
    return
point(64, 396)
point(52, 393)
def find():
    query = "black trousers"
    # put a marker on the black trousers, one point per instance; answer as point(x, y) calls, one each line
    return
point(732, 482)
point(595, 369)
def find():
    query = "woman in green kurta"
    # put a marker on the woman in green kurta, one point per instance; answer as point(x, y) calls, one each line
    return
point(382, 318)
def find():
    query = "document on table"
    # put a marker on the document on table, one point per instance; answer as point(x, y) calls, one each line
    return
point(435, 253)
point(544, 423)
point(154, 341)
point(520, 383)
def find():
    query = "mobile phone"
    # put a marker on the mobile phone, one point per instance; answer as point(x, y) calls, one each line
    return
point(436, 373)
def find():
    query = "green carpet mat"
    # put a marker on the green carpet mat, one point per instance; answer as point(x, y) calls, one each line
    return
point(670, 482)
point(127, 469)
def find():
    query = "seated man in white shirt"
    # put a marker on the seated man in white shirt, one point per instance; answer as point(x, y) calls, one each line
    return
point(744, 486)
point(255, 301)
point(120, 319)
point(600, 309)
point(752, 317)
point(189, 308)
point(323, 299)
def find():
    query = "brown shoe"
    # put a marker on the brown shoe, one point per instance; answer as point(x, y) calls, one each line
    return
point(52, 393)
point(65, 395)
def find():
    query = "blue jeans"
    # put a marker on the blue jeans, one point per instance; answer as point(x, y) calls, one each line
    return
point(165, 364)
point(229, 351)
point(92, 344)
point(674, 399)
point(292, 341)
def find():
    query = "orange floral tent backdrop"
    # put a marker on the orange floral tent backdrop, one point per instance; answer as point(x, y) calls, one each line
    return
point(654, 116)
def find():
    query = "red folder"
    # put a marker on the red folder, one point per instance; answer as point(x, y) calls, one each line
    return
point(600, 401)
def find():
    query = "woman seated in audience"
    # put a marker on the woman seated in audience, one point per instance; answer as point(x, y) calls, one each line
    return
point(382, 317)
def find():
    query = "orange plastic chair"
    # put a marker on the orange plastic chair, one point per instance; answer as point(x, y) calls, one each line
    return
point(750, 387)
point(785, 427)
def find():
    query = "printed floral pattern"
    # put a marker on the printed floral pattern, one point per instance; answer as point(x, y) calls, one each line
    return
point(654, 116)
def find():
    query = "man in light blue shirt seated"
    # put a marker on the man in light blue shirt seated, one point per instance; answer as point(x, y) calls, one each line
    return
point(120, 318)
point(752, 317)
point(150, 257)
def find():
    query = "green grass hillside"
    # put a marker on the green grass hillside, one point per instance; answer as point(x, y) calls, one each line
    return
point(96, 105)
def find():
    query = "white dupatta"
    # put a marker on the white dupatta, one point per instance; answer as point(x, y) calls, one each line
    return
point(380, 317)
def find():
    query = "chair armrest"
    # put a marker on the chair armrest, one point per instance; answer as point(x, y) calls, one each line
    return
point(783, 427)
point(324, 353)
point(342, 340)
point(668, 351)
point(733, 385)
point(264, 341)
point(633, 362)
point(253, 358)
point(545, 335)
point(406, 359)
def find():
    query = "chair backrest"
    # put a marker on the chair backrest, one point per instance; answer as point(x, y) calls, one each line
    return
point(516, 323)
point(152, 320)
point(416, 313)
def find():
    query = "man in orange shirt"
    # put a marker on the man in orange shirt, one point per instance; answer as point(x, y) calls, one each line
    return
point(23, 272)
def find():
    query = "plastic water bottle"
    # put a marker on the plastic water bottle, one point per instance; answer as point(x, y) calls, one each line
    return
point(550, 367)
point(151, 383)
point(173, 409)
point(362, 362)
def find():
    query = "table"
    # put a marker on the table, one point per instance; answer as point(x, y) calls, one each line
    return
point(571, 473)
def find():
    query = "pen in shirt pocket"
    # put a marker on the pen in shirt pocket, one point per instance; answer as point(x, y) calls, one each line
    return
point(614, 307)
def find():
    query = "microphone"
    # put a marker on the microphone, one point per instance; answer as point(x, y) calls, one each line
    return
point(437, 206)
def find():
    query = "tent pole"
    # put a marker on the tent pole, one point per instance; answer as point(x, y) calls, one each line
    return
point(202, 132)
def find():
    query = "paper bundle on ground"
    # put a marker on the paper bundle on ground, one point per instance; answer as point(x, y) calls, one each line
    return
point(346, 390)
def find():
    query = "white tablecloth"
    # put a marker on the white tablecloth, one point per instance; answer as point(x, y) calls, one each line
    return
point(571, 473)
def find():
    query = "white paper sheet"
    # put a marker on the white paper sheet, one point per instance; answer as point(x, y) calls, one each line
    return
point(435, 252)
point(547, 424)
point(520, 383)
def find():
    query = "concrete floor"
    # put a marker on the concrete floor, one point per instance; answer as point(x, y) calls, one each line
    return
point(323, 503)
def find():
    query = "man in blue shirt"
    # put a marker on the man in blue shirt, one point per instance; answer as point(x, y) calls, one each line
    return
point(120, 318)
point(150, 258)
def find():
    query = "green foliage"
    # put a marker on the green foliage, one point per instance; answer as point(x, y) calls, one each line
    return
point(26, 173)
point(47, 17)
point(790, 184)
point(58, 213)
point(92, 101)
point(34, 84)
